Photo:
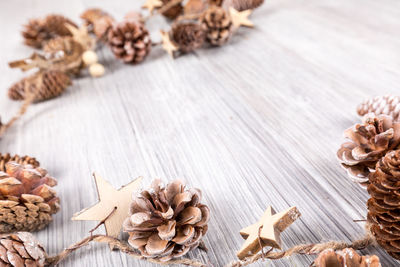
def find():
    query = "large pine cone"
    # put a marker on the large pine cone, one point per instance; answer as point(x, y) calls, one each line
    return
point(241, 5)
point(218, 25)
point(21, 249)
point(388, 105)
point(129, 41)
point(27, 200)
point(38, 31)
point(345, 258)
point(173, 12)
point(384, 204)
point(52, 84)
point(5, 158)
point(188, 36)
point(98, 21)
point(167, 222)
point(367, 143)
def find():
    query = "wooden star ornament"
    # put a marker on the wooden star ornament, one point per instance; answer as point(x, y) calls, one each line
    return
point(167, 44)
point(113, 205)
point(241, 18)
point(268, 229)
point(152, 4)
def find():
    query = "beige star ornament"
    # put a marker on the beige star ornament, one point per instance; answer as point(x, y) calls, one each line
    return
point(152, 4)
point(167, 44)
point(113, 205)
point(241, 18)
point(268, 229)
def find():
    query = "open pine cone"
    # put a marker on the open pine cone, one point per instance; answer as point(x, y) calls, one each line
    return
point(367, 143)
point(129, 41)
point(188, 36)
point(98, 21)
point(27, 200)
point(166, 222)
point(241, 5)
point(345, 258)
point(384, 204)
point(21, 249)
point(218, 25)
point(388, 105)
point(5, 158)
point(38, 31)
point(52, 84)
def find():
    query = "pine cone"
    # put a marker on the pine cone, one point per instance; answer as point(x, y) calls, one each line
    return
point(98, 21)
point(367, 143)
point(27, 200)
point(188, 36)
point(193, 7)
point(21, 249)
point(384, 204)
point(38, 31)
point(166, 222)
point(218, 25)
point(173, 12)
point(53, 84)
point(345, 258)
point(129, 41)
point(241, 5)
point(5, 158)
point(388, 105)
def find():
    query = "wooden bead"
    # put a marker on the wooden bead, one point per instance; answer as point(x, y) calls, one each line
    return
point(89, 57)
point(96, 70)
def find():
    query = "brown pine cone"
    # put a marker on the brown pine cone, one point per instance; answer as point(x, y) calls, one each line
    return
point(173, 12)
point(38, 31)
point(27, 200)
point(367, 143)
point(52, 84)
point(384, 204)
point(166, 222)
point(188, 36)
point(241, 5)
point(129, 41)
point(98, 21)
point(193, 7)
point(21, 249)
point(5, 158)
point(388, 105)
point(345, 258)
point(218, 25)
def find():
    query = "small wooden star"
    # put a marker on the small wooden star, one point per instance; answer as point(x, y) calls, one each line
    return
point(152, 4)
point(167, 44)
point(82, 36)
point(268, 229)
point(109, 200)
point(241, 18)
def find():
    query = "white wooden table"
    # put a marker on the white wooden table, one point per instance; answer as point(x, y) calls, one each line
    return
point(254, 123)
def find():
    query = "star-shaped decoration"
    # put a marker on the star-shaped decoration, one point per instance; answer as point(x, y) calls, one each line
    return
point(113, 205)
point(167, 44)
point(82, 36)
point(241, 18)
point(268, 229)
point(152, 4)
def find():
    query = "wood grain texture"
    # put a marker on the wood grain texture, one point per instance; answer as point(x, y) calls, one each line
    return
point(254, 123)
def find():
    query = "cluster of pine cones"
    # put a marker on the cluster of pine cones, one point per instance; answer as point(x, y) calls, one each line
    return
point(371, 157)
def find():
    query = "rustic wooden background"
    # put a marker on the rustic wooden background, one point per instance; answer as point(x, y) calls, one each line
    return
point(254, 123)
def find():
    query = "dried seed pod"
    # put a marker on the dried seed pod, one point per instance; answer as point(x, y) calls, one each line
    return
point(27, 200)
point(25, 160)
point(188, 36)
point(166, 222)
point(98, 21)
point(367, 143)
point(44, 85)
point(242, 5)
point(38, 31)
point(387, 105)
point(129, 41)
point(218, 25)
point(345, 258)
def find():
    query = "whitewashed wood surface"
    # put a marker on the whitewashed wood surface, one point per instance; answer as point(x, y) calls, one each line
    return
point(254, 123)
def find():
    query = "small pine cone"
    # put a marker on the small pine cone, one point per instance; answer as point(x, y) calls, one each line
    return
point(98, 21)
point(388, 105)
point(53, 84)
point(166, 222)
point(21, 249)
point(345, 258)
point(188, 36)
point(173, 12)
point(367, 143)
point(129, 41)
point(27, 200)
point(194, 7)
point(38, 31)
point(242, 5)
point(25, 160)
point(218, 25)
point(384, 204)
